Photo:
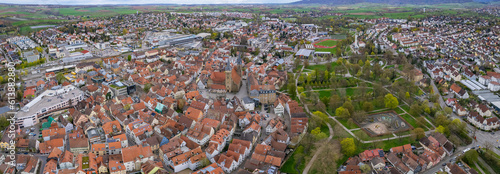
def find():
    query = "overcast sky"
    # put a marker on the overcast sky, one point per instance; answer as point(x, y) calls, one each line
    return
point(97, 2)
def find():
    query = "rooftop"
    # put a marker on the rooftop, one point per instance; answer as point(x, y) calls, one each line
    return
point(49, 98)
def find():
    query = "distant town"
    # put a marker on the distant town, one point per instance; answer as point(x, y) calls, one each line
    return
point(209, 89)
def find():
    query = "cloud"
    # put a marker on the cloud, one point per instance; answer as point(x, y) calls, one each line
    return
point(102, 2)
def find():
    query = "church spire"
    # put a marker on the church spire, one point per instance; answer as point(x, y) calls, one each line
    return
point(228, 65)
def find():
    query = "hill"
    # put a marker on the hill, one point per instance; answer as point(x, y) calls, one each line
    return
point(391, 2)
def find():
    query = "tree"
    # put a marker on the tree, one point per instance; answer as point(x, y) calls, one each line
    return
point(204, 162)
point(327, 75)
point(360, 62)
point(147, 86)
point(391, 101)
point(365, 168)
point(125, 31)
point(321, 106)
point(39, 49)
point(181, 103)
point(318, 134)
point(321, 115)
point(342, 112)
point(4, 123)
point(448, 111)
point(367, 106)
point(359, 116)
point(415, 109)
point(126, 107)
point(348, 105)
point(407, 95)
point(458, 126)
point(108, 95)
point(129, 58)
point(326, 162)
point(471, 156)
point(335, 101)
point(421, 121)
point(292, 89)
point(60, 78)
point(348, 146)
point(418, 133)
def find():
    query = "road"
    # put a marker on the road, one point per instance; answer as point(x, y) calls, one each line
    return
point(436, 90)
point(482, 138)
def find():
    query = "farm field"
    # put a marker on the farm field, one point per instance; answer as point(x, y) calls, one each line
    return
point(97, 11)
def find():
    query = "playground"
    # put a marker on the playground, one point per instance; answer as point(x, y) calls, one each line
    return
point(383, 123)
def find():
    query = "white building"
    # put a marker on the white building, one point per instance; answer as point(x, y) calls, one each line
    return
point(51, 100)
point(248, 104)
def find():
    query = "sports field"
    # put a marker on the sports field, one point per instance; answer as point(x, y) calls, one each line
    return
point(327, 43)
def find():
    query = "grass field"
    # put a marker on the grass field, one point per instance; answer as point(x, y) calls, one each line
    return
point(346, 124)
point(321, 67)
point(289, 165)
point(327, 43)
point(410, 120)
point(348, 92)
point(96, 11)
point(38, 21)
point(399, 111)
point(325, 93)
point(405, 107)
point(331, 50)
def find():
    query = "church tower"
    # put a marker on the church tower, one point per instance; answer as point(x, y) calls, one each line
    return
point(239, 65)
point(229, 80)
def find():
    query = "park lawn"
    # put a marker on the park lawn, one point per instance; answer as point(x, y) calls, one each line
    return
point(472, 165)
point(345, 123)
point(482, 165)
point(331, 50)
point(327, 43)
point(348, 91)
point(320, 67)
point(399, 110)
point(325, 93)
point(325, 129)
point(428, 124)
point(406, 108)
point(403, 133)
point(289, 165)
point(410, 120)
point(491, 152)
point(379, 109)
point(351, 91)
point(389, 66)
